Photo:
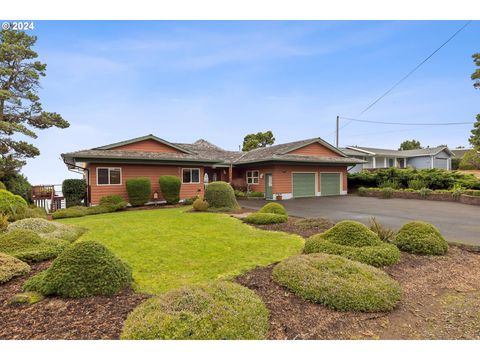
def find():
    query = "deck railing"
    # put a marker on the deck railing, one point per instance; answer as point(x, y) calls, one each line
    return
point(49, 197)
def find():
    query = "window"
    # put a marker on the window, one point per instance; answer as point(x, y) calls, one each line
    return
point(109, 176)
point(191, 176)
point(252, 177)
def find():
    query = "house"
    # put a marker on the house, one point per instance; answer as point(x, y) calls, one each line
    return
point(303, 168)
point(428, 158)
point(458, 153)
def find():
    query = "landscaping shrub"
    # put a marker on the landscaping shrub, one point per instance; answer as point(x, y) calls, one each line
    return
point(200, 205)
point(354, 241)
point(11, 267)
point(421, 238)
point(219, 194)
point(49, 229)
point(28, 246)
point(74, 211)
point(424, 193)
point(255, 194)
point(26, 298)
point(2, 186)
point(191, 200)
point(259, 218)
point(416, 184)
point(85, 268)
point(4, 222)
point(470, 161)
point(215, 311)
point(35, 212)
point(391, 184)
point(319, 224)
point(385, 234)
point(338, 283)
point(387, 193)
point(113, 202)
point(74, 191)
point(139, 191)
point(240, 194)
point(362, 191)
point(18, 184)
point(170, 188)
point(11, 205)
point(471, 192)
point(273, 208)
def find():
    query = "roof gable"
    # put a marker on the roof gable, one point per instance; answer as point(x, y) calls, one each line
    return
point(316, 146)
point(148, 143)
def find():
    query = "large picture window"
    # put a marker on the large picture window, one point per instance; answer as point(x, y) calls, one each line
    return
point(252, 177)
point(191, 176)
point(109, 176)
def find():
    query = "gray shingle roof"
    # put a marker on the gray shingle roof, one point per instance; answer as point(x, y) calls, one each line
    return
point(400, 153)
point(204, 151)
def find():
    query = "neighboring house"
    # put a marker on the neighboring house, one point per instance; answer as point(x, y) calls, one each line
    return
point(303, 168)
point(458, 153)
point(427, 158)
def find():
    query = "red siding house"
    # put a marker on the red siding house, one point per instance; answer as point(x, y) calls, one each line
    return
point(302, 168)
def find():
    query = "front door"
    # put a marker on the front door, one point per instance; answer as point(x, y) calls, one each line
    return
point(268, 186)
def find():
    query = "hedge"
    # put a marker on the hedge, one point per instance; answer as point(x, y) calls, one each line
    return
point(85, 268)
point(170, 188)
point(265, 218)
point(28, 246)
point(273, 208)
point(214, 311)
point(74, 191)
point(139, 191)
point(220, 194)
point(11, 267)
point(113, 202)
point(338, 283)
point(421, 238)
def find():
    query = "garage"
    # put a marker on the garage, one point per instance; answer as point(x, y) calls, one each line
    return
point(330, 184)
point(303, 184)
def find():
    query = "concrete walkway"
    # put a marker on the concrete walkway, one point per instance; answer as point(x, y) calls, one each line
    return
point(457, 222)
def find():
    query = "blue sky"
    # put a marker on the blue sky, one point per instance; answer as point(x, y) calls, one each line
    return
point(221, 80)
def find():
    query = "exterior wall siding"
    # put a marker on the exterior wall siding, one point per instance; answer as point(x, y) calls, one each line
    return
point(153, 172)
point(148, 146)
point(420, 162)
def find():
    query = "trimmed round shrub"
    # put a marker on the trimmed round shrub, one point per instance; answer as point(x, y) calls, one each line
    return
point(85, 268)
point(421, 238)
point(265, 218)
point(74, 191)
point(11, 267)
point(170, 188)
point(351, 233)
point(113, 202)
point(139, 191)
point(338, 283)
point(49, 229)
point(220, 194)
point(191, 200)
point(11, 205)
point(215, 311)
point(273, 208)
point(354, 241)
point(26, 245)
point(200, 205)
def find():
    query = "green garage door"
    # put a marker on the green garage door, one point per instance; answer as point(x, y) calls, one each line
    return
point(303, 184)
point(330, 184)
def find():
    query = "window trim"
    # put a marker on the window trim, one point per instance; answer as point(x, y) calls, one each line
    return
point(252, 177)
point(191, 182)
point(109, 168)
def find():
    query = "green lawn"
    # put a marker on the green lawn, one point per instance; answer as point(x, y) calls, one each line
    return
point(168, 248)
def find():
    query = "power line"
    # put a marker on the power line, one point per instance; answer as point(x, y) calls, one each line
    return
point(408, 74)
point(402, 123)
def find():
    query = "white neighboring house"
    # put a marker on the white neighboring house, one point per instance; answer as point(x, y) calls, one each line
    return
point(439, 157)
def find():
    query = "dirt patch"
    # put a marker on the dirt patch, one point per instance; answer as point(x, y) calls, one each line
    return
point(438, 294)
point(98, 317)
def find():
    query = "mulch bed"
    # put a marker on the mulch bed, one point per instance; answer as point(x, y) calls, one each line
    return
point(428, 285)
point(291, 227)
point(98, 317)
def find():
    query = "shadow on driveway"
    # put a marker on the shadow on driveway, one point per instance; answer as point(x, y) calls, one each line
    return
point(457, 222)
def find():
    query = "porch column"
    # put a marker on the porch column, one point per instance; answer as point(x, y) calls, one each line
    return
point(230, 174)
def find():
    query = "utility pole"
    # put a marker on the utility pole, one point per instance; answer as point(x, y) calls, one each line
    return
point(336, 137)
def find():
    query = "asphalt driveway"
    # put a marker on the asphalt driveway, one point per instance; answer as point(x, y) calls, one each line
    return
point(457, 222)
